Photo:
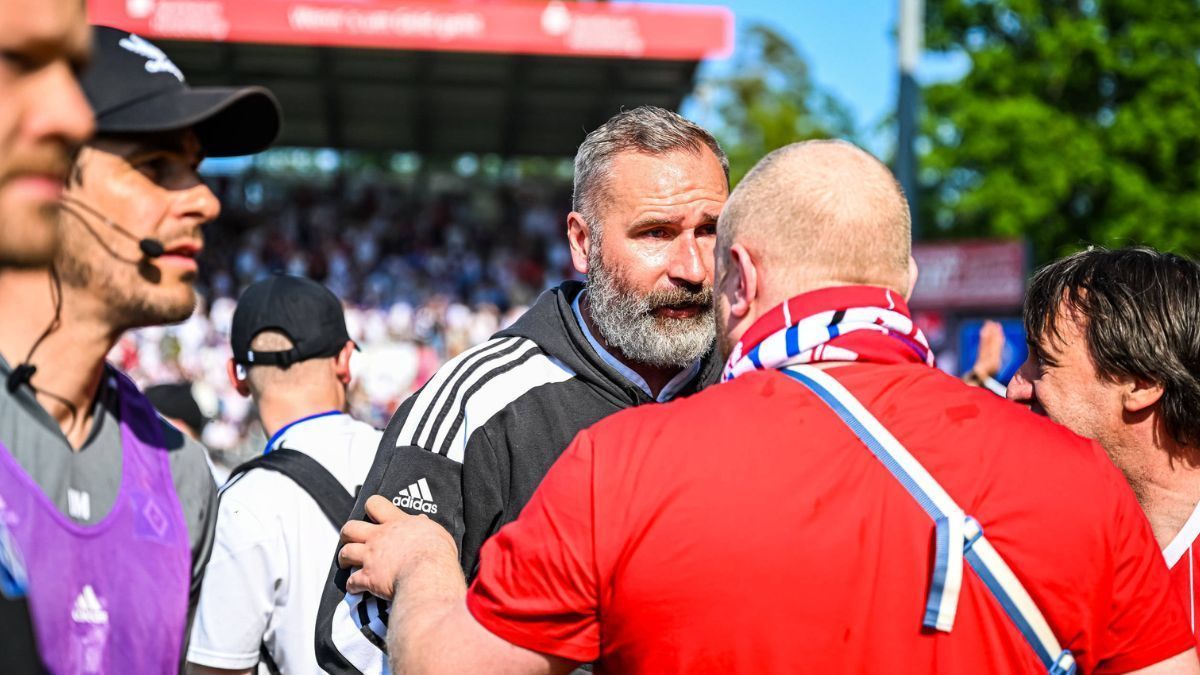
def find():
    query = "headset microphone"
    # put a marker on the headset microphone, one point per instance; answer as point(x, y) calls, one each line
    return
point(150, 248)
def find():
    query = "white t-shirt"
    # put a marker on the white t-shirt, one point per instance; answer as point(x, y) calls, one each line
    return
point(272, 552)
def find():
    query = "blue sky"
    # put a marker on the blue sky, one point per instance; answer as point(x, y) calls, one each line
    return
point(850, 47)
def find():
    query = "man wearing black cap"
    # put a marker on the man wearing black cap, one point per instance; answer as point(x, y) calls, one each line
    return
point(121, 505)
point(280, 514)
point(175, 402)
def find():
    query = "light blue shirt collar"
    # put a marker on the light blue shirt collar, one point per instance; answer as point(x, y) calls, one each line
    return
point(668, 392)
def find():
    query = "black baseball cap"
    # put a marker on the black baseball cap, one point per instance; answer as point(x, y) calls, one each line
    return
point(175, 399)
point(134, 88)
point(302, 309)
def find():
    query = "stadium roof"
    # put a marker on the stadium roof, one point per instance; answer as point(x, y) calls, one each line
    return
point(511, 77)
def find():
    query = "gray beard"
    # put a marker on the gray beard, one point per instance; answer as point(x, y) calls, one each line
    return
point(625, 319)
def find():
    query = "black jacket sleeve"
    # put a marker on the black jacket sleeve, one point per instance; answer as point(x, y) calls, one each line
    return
point(419, 481)
point(485, 486)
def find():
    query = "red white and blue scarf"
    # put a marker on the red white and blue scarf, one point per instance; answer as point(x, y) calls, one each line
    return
point(845, 323)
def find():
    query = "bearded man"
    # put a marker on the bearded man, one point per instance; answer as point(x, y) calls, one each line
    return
point(113, 508)
point(469, 449)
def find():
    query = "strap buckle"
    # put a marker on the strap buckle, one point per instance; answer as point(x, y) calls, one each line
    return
point(972, 531)
point(1064, 664)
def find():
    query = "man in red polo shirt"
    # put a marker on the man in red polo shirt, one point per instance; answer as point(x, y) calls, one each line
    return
point(801, 515)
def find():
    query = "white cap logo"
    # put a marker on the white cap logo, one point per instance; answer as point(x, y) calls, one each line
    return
point(139, 9)
point(556, 19)
point(156, 59)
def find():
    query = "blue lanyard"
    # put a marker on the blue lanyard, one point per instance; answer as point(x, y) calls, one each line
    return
point(278, 434)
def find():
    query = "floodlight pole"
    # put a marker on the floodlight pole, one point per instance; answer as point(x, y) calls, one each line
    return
point(911, 36)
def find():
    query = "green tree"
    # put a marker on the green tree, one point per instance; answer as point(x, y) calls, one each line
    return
point(765, 98)
point(1078, 123)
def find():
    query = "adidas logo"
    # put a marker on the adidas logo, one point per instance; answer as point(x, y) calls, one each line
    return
point(87, 608)
point(416, 497)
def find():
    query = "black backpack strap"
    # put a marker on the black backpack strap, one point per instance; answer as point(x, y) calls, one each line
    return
point(314, 479)
point(335, 502)
point(264, 657)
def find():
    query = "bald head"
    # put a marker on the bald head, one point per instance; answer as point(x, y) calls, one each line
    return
point(820, 213)
point(310, 373)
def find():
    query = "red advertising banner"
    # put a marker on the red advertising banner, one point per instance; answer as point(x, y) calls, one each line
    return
point(970, 275)
point(623, 30)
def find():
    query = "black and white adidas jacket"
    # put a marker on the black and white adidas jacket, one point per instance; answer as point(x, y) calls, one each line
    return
point(472, 445)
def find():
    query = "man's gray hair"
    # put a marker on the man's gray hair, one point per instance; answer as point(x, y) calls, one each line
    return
point(645, 129)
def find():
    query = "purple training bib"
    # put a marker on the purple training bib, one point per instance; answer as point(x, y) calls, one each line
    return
point(110, 597)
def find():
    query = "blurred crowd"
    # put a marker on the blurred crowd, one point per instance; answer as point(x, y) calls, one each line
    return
point(425, 274)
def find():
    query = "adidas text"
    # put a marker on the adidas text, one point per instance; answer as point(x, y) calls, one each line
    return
point(416, 497)
point(414, 503)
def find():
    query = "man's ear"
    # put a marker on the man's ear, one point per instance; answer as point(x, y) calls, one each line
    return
point(913, 273)
point(237, 377)
point(579, 233)
point(1138, 395)
point(739, 281)
point(341, 364)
